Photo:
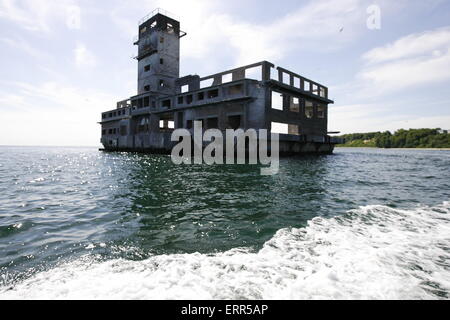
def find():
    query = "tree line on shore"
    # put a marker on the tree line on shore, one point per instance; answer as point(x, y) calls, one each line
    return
point(412, 138)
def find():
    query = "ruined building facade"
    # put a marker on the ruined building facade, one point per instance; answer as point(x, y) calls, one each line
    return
point(257, 96)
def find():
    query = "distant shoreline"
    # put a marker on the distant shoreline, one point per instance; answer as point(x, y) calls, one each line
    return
point(423, 139)
point(347, 147)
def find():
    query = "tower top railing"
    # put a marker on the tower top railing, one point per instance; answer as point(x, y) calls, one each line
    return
point(155, 12)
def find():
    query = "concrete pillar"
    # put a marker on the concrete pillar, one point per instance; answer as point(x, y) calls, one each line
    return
point(265, 71)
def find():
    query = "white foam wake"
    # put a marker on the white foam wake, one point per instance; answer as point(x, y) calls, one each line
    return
point(375, 252)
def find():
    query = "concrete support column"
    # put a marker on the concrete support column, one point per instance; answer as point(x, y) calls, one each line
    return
point(266, 71)
point(217, 80)
point(238, 75)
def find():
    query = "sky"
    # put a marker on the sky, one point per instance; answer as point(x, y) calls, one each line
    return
point(386, 63)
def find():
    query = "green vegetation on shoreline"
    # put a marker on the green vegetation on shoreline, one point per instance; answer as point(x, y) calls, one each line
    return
point(412, 138)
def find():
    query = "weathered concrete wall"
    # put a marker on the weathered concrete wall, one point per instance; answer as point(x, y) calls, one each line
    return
point(252, 103)
point(307, 126)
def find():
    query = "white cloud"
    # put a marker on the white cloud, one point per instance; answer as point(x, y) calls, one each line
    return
point(426, 43)
point(213, 33)
point(40, 15)
point(73, 17)
point(407, 73)
point(24, 46)
point(411, 61)
point(309, 27)
point(12, 100)
point(353, 118)
point(84, 57)
point(367, 118)
point(52, 114)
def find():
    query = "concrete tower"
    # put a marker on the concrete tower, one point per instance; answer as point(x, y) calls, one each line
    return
point(158, 55)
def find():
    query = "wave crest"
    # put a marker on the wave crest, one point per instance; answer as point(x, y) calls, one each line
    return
point(374, 252)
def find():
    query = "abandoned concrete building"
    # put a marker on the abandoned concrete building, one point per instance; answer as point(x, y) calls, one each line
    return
point(257, 96)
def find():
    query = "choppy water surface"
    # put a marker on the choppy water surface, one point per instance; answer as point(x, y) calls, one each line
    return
point(78, 223)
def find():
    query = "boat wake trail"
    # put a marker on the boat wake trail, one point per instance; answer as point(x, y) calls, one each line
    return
point(374, 252)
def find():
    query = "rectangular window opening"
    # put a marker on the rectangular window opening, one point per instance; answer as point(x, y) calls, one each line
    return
point(274, 74)
point(277, 100)
point(234, 122)
point(227, 78)
point(254, 73)
point(309, 110)
point(281, 128)
point(201, 96)
point(293, 129)
point(170, 28)
point(322, 92)
point(315, 89)
point(236, 89)
point(206, 83)
point(295, 104)
point(286, 78)
point(212, 123)
point(213, 94)
point(167, 123)
point(321, 111)
point(307, 86)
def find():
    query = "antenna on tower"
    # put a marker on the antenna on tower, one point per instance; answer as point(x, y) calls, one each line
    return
point(160, 11)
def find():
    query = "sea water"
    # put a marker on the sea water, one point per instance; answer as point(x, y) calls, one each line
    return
point(76, 223)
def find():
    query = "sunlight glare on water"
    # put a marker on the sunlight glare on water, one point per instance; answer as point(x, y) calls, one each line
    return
point(76, 223)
